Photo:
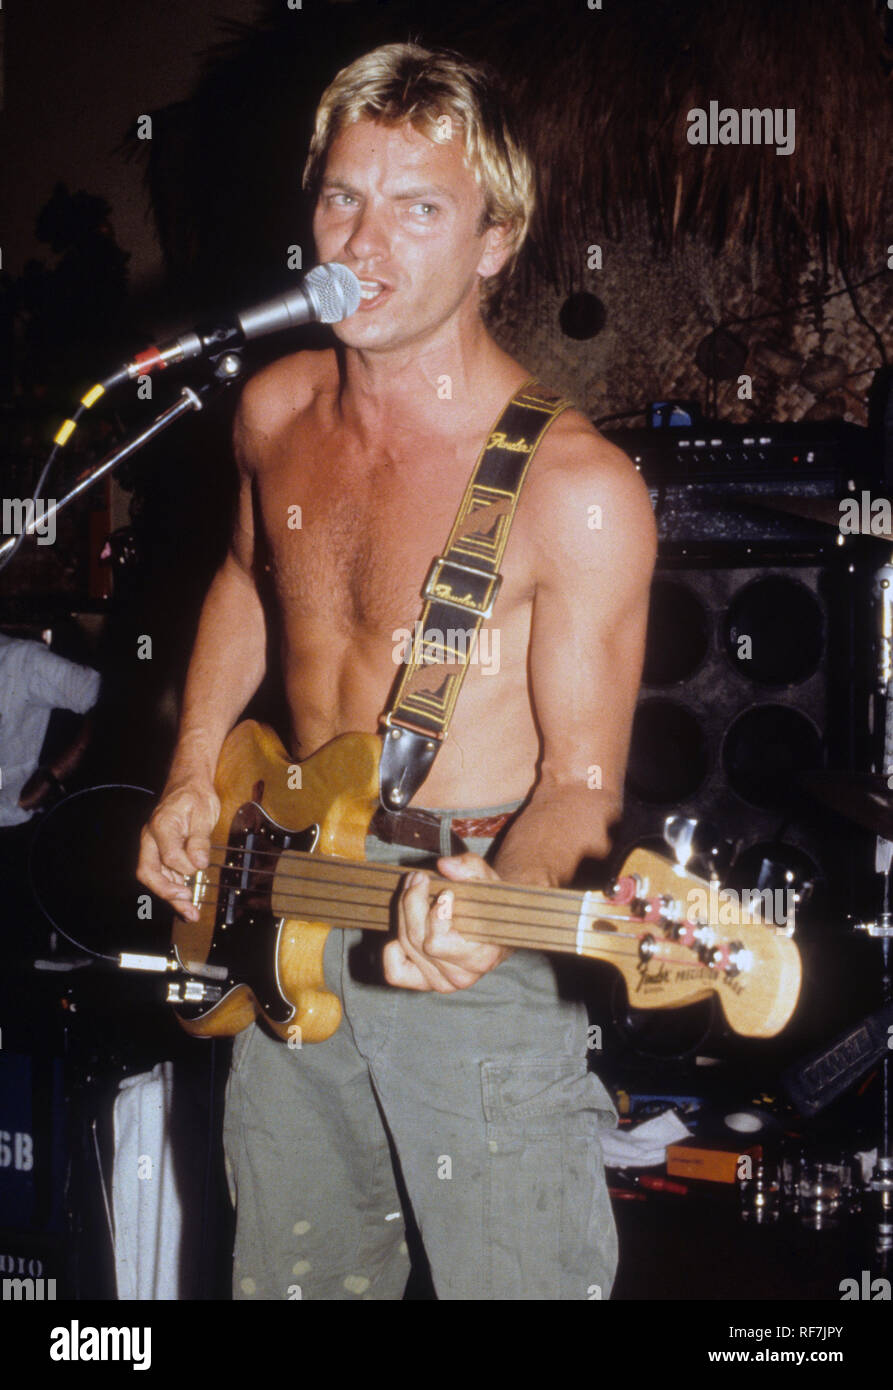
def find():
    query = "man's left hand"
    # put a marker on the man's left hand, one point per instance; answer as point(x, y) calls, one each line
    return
point(428, 953)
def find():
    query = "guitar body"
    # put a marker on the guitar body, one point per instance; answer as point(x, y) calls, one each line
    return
point(328, 812)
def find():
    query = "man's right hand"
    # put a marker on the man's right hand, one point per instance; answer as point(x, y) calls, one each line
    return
point(177, 841)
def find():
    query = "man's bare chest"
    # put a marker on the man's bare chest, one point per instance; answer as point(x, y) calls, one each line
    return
point(350, 540)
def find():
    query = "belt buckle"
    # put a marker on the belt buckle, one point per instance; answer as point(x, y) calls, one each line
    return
point(436, 584)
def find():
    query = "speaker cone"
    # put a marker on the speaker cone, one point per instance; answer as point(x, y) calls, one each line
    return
point(773, 631)
point(668, 754)
point(678, 634)
point(764, 752)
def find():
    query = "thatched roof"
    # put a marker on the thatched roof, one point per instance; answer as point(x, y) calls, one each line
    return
point(604, 97)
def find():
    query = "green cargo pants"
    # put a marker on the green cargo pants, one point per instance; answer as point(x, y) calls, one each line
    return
point(493, 1117)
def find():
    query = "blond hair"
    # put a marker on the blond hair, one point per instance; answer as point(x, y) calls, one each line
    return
point(435, 90)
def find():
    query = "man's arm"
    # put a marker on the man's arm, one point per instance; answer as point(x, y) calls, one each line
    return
point(226, 668)
point(595, 551)
point(594, 564)
point(58, 683)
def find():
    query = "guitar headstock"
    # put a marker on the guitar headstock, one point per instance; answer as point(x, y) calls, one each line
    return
point(694, 939)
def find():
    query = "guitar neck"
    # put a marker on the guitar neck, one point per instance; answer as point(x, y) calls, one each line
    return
point(313, 887)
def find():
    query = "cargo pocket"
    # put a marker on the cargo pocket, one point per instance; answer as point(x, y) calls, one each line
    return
point(549, 1230)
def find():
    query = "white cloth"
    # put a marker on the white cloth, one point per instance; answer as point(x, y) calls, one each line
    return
point(646, 1145)
point(145, 1203)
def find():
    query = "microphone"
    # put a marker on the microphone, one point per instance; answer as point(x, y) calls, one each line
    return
point(327, 294)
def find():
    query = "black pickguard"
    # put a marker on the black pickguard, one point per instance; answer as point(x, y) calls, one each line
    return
point(245, 926)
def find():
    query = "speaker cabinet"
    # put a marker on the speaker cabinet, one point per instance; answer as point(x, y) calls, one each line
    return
point(749, 681)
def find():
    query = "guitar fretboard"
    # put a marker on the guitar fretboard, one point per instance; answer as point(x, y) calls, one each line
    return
point(345, 894)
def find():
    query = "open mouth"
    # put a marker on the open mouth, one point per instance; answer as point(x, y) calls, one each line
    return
point(371, 292)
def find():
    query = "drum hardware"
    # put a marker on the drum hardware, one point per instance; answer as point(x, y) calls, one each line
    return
point(882, 1184)
point(868, 800)
point(689, 838)
point(863, 797)
point(882, 1177)
point(882, 928)
point(788, 888)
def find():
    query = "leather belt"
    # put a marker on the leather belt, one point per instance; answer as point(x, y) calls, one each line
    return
point(421, 829)
point(480, 827)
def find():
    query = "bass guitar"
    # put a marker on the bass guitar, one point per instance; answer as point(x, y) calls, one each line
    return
point(286, 867)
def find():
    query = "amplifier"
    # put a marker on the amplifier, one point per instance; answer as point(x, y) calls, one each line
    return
point(707, 482)
point(721, 452)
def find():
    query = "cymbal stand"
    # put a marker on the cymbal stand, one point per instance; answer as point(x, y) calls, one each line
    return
point(882, 929)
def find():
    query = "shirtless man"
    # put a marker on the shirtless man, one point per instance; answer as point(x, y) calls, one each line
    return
point(462, 1064)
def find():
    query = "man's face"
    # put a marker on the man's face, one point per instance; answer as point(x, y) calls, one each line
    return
point(403, 214)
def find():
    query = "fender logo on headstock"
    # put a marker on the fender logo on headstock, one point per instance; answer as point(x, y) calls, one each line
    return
point(653, 974)
point(659, 976)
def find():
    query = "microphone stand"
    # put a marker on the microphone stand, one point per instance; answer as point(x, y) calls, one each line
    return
point(227, 368)
point(88, 1100)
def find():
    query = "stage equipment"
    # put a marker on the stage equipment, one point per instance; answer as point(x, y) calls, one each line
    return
point(710, 483)
point(752, 672)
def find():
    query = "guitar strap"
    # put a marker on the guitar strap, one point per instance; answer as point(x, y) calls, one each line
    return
point(459, 592)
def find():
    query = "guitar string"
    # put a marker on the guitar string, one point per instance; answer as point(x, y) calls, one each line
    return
point(466, 899)
point(571, 932)
point(626, 952)
point(560, 895)
point(299, 898)
point(387, 891)
point(495, 938)
point(299, 856)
